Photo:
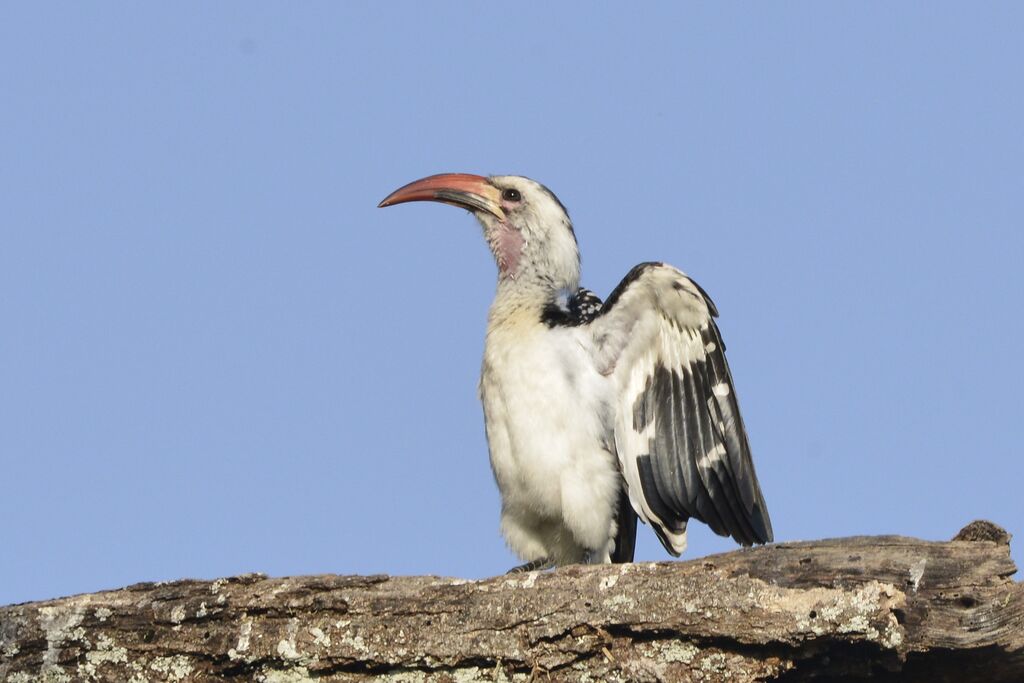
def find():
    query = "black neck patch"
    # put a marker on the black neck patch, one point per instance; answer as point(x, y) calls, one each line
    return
point(579, 309)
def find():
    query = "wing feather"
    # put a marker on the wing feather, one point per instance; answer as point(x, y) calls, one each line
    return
point(680, 439)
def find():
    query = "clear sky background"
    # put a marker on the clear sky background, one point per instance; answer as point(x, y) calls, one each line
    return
point(218, 356)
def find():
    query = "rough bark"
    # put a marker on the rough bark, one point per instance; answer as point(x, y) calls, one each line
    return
point(881, 608)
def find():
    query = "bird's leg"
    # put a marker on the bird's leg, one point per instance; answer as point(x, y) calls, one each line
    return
point(592, 556)
point(540, 564)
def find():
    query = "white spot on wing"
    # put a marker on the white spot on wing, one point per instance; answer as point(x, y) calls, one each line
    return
point(713, 456)
point(721, 389)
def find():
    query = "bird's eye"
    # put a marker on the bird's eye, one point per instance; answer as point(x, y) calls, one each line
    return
point(511, 195)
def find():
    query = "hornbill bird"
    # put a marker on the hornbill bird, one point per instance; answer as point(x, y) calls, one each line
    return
point(599, 413)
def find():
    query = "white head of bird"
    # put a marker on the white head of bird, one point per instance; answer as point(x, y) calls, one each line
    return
point(527, 229)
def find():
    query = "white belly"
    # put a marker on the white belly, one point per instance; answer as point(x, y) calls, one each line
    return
point(545, 409)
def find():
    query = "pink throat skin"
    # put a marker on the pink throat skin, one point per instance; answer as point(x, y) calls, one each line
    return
point(507, 245)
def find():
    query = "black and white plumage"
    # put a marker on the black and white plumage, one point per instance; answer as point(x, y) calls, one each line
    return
point(597, 414)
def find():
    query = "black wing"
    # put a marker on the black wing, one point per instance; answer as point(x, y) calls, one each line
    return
point(681, 442)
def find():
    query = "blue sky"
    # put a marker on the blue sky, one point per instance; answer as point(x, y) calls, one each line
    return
point(218, 356)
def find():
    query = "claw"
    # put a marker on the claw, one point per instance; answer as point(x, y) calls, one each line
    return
point(540, 564)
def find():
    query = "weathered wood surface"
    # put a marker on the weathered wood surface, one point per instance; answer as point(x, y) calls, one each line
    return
point(879, 608)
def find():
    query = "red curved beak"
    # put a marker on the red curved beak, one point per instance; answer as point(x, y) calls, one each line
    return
point(471, 192)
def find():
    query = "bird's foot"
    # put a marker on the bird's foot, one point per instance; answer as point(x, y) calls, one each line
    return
point(596, 557)
point(539, 564)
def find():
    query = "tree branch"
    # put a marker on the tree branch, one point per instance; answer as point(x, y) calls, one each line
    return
point(881, 608)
